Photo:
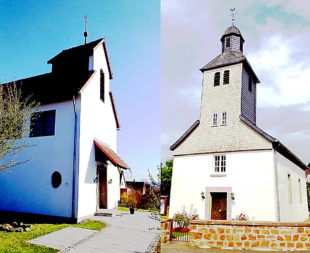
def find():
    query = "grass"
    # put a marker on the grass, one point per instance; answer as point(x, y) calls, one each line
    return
point(17, 242)
point(126, 209)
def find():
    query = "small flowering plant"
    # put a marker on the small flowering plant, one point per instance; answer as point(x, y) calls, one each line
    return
point(183, 219)
point(241, 217)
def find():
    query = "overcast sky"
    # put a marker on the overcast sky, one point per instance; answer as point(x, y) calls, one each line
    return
point(276, 44)
point(34, 31)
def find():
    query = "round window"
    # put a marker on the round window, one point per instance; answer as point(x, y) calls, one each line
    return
point(56, 179)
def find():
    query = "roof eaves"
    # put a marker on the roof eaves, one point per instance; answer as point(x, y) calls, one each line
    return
point(219, 66)
point(277, 145)
point(114, 110)
point(185, 135)
point(88, 81)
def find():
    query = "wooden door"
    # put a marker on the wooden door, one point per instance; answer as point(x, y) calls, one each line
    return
point(219, 206)
point(103, 188)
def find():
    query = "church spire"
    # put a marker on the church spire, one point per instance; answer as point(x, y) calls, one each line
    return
point(85, 33)
point(232, 40)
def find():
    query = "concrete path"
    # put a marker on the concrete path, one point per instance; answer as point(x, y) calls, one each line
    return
point(127, 233)
point(63, 238)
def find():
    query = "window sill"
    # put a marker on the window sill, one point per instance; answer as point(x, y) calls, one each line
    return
point(223, 124)
point(214, 126)
point(218, 175)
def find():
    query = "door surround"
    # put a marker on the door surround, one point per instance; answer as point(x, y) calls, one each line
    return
point(208, 200)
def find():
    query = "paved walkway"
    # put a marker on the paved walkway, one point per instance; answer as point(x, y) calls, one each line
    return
point(127, 233)
point(184, 248)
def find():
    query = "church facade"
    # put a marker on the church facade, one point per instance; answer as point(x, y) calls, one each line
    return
point(224, 164)
point(75, 170)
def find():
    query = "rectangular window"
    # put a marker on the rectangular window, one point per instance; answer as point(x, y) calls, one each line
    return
point(102, 86)
point(42, 123)
point(226, 77)
point(224, 118)
point(217, 79)
point(220, 163)
point(228, 42)
point(214, 119)
point(250, 84)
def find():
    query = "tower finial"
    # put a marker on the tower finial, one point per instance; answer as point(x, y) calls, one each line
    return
point(85, 33)
point(232, 11)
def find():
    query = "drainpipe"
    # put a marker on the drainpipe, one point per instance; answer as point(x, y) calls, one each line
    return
point(73, 214)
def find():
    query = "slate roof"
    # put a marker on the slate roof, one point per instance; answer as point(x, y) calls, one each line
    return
point(232, 29)
point(184, 136)
point(51, 88)
point(277, 145)
point(111, 155)
point(82, 51)
point(229, 58)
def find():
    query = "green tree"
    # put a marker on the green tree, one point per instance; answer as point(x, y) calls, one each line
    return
point(166, 176)
point(15, 113)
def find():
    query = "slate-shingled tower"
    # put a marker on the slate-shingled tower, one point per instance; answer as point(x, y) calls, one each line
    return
point(225, 154)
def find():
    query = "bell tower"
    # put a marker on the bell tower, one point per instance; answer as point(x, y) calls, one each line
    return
point(232, 40)
point(229, 85)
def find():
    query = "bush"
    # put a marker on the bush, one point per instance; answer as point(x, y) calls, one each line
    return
point(183, 219)
point(134, 198)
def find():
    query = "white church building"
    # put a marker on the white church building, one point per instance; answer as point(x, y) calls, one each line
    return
point(224, 164)
point(75, 170)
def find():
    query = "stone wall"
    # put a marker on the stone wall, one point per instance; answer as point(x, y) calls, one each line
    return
point(165, 230)
point(250, 235)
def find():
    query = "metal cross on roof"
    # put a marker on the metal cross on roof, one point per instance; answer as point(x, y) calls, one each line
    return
point(233, 13)
point(85, 33)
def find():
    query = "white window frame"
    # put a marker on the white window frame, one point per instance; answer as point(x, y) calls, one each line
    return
point(219, 165)
point(224, 118)
point(214, 119)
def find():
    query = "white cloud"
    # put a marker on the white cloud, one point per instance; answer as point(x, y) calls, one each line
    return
point(285, 78)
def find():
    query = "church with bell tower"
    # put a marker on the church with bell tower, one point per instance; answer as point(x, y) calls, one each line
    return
point(224, 164)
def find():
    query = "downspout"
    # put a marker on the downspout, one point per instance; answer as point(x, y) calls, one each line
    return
point(277, 185)
point(73, 214)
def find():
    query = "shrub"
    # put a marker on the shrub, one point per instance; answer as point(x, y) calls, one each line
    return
point(183, 219)
point(134, 198)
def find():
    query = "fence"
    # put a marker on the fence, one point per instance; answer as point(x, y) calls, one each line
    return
point(172, 230)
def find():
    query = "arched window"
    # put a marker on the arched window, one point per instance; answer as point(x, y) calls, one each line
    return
point(217, 79)
point(56, 179)
point(226, 77)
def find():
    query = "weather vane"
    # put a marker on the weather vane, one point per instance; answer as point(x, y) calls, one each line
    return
point(85, 33)
point(233, 14)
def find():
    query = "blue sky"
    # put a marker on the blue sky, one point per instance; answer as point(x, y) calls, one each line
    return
point(32, 32)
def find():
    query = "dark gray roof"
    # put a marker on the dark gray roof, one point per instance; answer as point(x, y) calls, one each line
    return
point(229, 58)
point(184, 136)
point(232, 29)
point(277, 145)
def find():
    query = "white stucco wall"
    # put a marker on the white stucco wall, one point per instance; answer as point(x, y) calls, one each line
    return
point(250, 175)
point(297, 210)
point(97, 121)
point(28, 188)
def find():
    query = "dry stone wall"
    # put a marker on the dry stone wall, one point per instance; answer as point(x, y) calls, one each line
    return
point(250, 235)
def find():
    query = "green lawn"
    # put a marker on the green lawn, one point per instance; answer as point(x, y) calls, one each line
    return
point(126, 209)
point(17, 242)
